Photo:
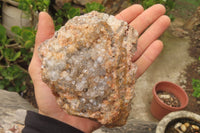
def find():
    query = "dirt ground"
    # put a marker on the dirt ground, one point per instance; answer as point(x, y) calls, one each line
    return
point(193, 72)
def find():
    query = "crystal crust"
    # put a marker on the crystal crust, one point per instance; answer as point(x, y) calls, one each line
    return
point(87, 64)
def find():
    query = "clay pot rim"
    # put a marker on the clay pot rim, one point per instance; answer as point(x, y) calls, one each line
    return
point(175, 115)
point(161, 103)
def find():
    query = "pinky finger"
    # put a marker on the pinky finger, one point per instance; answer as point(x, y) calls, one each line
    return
point(148, 57)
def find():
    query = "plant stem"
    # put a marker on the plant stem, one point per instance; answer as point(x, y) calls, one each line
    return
point(1, 57)
point(13, 46)
point(24, 70)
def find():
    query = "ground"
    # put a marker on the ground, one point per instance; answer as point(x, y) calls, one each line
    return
point(192, 70)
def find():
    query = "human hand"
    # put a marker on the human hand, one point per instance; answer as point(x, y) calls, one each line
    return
point(150, 25)
point(148, 49)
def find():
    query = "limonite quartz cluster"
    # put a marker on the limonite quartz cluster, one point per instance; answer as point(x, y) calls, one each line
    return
point(87, 64)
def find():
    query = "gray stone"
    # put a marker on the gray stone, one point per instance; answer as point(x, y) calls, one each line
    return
point(12, 110)
point(132, 126)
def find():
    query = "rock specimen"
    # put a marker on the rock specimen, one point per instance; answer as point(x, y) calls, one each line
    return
point(87, 64)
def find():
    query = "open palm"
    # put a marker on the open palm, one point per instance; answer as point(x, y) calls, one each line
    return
point(150, 24)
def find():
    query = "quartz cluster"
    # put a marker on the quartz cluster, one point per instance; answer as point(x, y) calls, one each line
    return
point(87, 64)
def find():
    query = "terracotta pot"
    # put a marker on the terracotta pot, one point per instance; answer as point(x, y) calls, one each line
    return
point(158, 108)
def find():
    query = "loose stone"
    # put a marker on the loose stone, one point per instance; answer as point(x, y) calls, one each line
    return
point(183, 128)
point(195, 127)
point(187, 124)
point(87, 64)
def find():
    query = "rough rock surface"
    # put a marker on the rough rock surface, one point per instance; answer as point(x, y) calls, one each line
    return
point(132, 126)
point(88, 66)
point(12, 110)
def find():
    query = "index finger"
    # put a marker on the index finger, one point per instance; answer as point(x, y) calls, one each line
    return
point(130, 13)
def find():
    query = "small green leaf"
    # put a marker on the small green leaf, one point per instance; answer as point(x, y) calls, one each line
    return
point(10, 54)
point(2, 87)
point(57, 27)
point(12, 73)
point(59, 20)
point(28, 44)
point(16, 29)
point(73, 12)
point(16, 56)
point(3, 36)
point(67, 6)
point(27, 35)
point(46, 2)
point(94, 7)
point(2, 84)
point(196, 87)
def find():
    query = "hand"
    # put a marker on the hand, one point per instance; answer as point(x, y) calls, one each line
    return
point(150, 24)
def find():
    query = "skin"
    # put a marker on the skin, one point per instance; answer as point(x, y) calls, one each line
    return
point(150, 25)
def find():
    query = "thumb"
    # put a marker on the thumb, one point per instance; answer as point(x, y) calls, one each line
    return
point(45, 28)
point(45, 31)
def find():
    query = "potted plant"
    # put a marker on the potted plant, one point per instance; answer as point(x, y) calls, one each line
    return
point(179, 122)
point(167, 97)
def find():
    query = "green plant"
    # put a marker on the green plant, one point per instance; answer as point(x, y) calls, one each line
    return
point(65, 13)
point(196, 87)
point(32, 7)
point(94, 7)
point(68, 11)
point(13, 78)
point(15, 56)
point(25, 39)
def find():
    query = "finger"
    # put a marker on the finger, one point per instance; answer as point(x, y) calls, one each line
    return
point(151, 34)
point(130, 13)
point(148, 17)
point(148, 57)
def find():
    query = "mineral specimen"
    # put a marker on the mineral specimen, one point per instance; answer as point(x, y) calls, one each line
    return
point(87, 64)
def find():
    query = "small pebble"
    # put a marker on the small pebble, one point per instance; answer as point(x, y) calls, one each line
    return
point(183, 128)
point(164, 96)
point(177, 125)
point(195, 127)
point(187, 124)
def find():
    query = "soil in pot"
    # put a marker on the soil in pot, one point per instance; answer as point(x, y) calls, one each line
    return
point(183, 125)
point(169, 99)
